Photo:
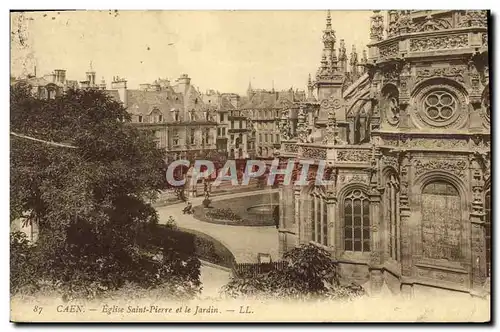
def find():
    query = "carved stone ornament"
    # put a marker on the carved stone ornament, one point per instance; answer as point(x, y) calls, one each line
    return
point(486, 106)
point(284, 128)
point(405, 23)
point(440, 106)
point(375, 258)
point(392, 29)
point(432, 24)
point(290, 147)
point(391, 75)
point(388, 51)
point(473, 18)
point(313, 153)
point(353, 155)
point(377, 26)
point(456, 167)
point(441, 276)
point(424, 44)
point(301, 126)
point(455, 73)
point(330, 103)
point(392, 111)
point(436, 143)
point(484, 39)
point(391, 161)
point(347, 178)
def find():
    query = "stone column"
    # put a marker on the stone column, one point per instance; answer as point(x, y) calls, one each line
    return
point(478, 240)
point(352, 130)
point(406, 231)
point(297, 216)
point(377, 251)
point(332, 213)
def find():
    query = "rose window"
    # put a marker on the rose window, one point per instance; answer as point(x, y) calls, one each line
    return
point(440, 106)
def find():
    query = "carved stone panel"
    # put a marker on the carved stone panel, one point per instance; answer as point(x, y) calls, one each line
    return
point(390, 50)
point(424, 44)
point(457, 167)
point(436, 143)
point(456, 73)
point(353, 155)
point(391, 161)
point(442, 275)
point(484, 39)
point(290, 147)
point(349, 177)
point(313, 153)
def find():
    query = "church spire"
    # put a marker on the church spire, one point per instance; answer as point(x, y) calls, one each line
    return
point(329, 58)
point(310, 89)
point(342, 56)
point(249, 89)
point(354, 60)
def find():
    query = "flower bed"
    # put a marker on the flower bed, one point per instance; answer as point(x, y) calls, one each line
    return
point(223, 214)
point(242, 207)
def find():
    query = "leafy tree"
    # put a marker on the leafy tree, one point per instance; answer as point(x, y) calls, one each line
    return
point(309, 274)
point(91, 200)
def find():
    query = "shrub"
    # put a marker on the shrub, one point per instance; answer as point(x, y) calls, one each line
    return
point(309, 274)
point(206, 202)
point(22, 269)
point(89, 271)
point(224, 214)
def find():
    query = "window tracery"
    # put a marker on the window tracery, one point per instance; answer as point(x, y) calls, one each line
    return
point(319, 217)
point(391, 215)
point(357, 222)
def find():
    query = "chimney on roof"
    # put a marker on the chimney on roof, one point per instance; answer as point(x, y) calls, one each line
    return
point(60, 76)
point(102, 85)
point(120, 84)
point(183, 83)
point(144, 86)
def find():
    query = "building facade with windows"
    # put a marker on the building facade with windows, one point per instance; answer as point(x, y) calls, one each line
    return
point(406, 140)
point(48, 86)
point(176, 114)
point(263, 109)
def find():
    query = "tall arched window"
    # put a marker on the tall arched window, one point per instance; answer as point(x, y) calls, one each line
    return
point(487, 230)
point(357, 222)
point(318, 215)
point(441, 222)
point(391, 215)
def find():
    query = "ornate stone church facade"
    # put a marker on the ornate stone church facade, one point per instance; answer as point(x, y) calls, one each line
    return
point(405, 134)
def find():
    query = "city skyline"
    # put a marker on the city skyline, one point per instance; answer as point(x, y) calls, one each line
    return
point(144, 46)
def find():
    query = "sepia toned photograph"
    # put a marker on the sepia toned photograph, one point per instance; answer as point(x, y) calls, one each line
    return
point(250, 166)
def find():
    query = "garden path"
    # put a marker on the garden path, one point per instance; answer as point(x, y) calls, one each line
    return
point(245, 242)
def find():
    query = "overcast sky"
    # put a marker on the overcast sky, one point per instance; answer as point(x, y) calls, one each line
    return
point(219, 50)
